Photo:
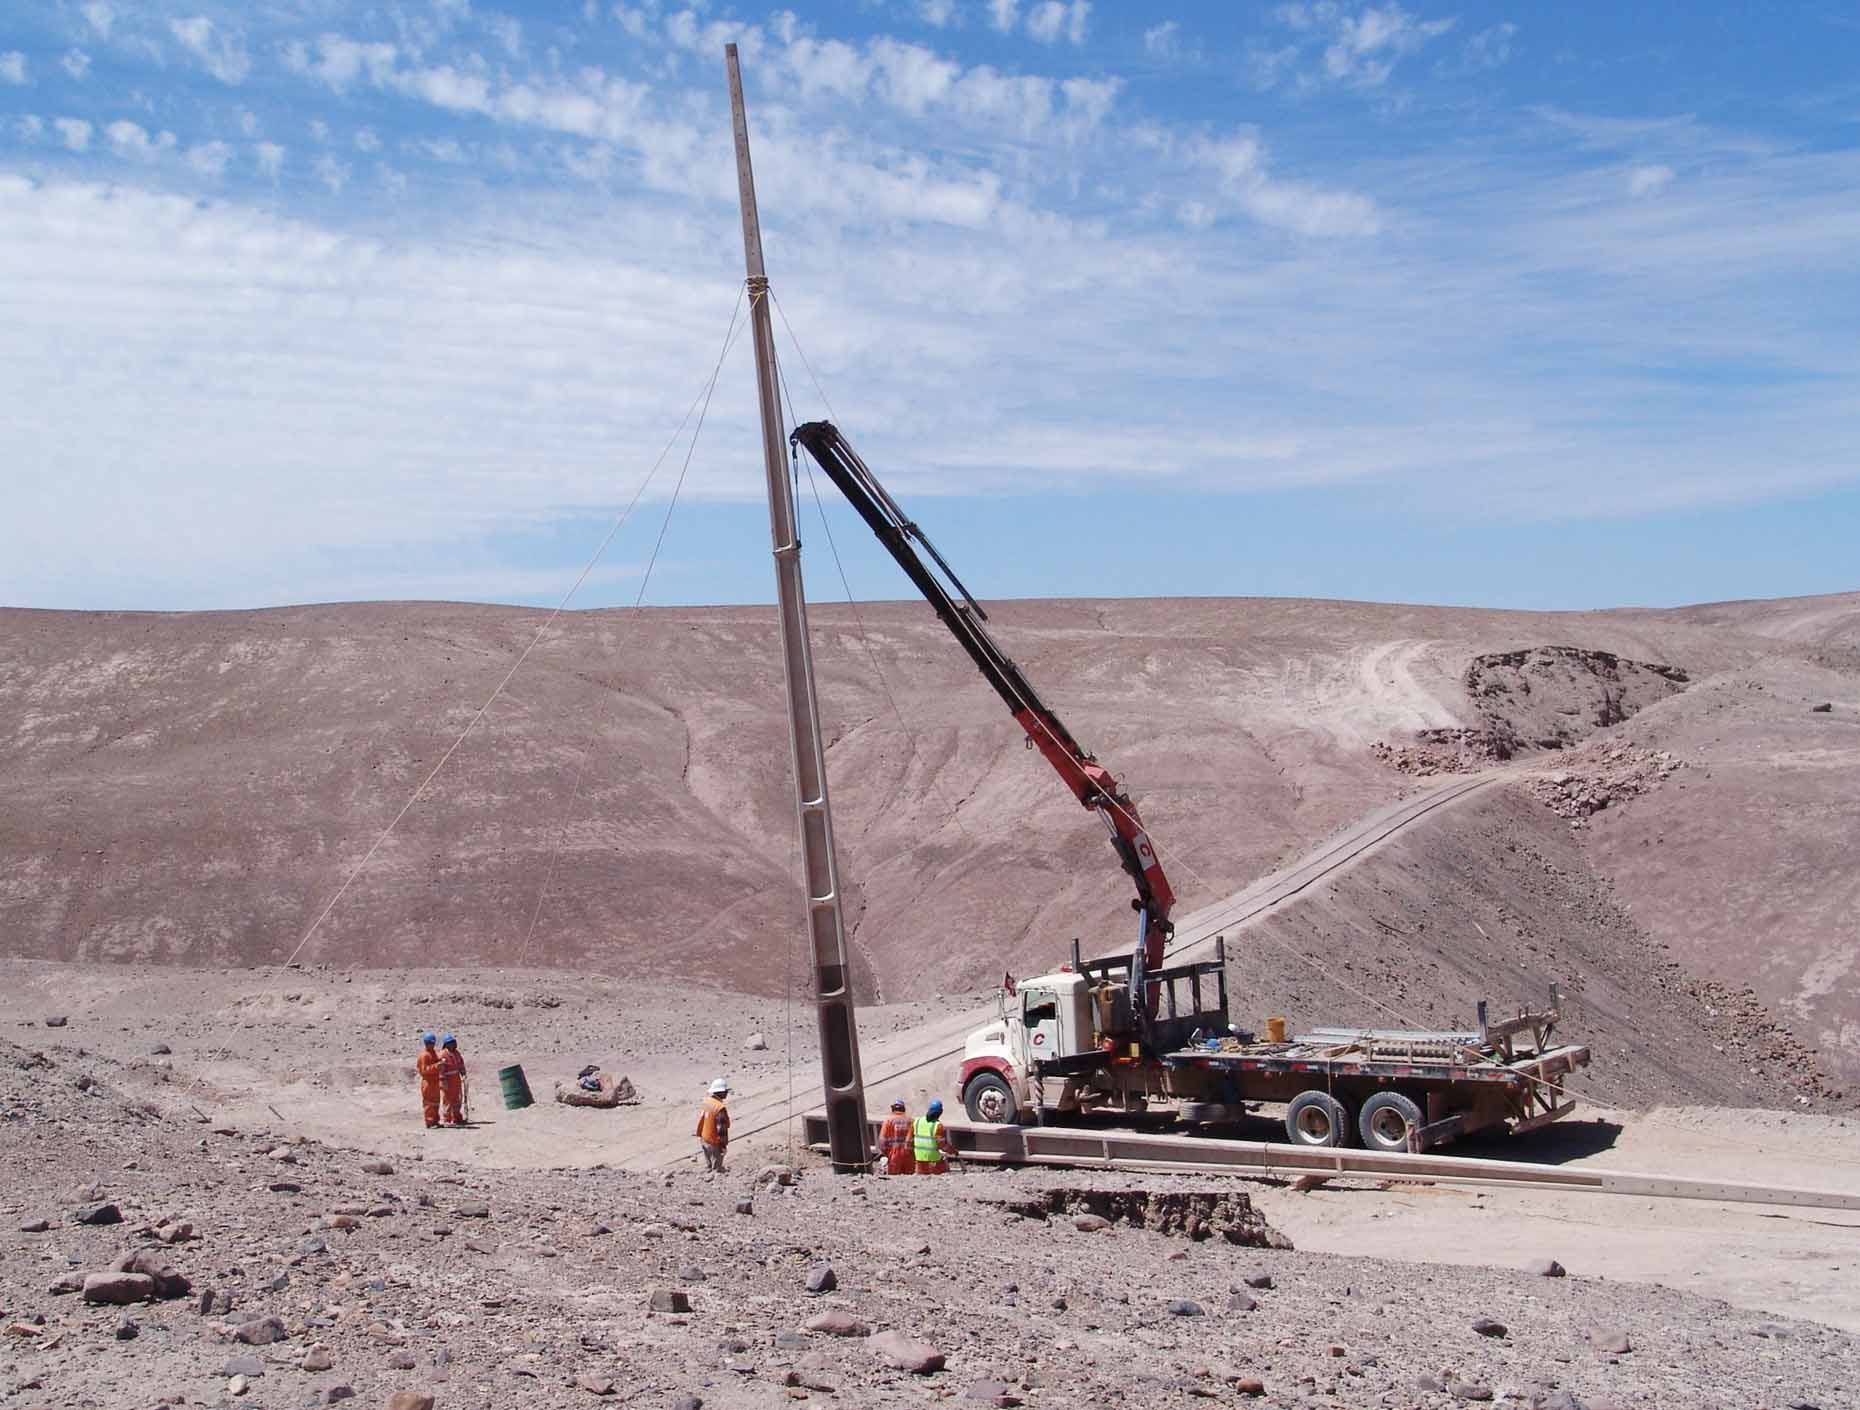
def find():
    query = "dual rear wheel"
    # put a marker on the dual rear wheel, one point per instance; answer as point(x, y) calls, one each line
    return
point(1384, 1123)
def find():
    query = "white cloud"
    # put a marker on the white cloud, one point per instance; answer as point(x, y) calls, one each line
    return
point(338, 61)
point(131, 140)
point(1488, 49)
point(508, 32)
point(248, 122)
point(30, 126)
point(222, 54)
point(269, 157)
point(1334, 43)
point(100, 17)
point(319, 130)
point(1163, 41)
point(76, 63)
point(13, 67)
point(209, 158)
point(1003, 14)
point(937, 13)
point(332, 173)
point(1649, 180)
point(366, 140)
point(1052, 19)
point(74, 132)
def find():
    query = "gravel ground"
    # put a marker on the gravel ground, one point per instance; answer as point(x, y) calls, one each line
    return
point(507, 1287)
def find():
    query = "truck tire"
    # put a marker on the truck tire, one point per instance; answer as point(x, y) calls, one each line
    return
point(1387, 1120)
point(1317, 1119)
point(989, 1099)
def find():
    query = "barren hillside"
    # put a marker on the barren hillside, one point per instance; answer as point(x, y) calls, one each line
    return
point(195, 787)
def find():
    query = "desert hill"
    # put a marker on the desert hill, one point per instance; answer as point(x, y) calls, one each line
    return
point(195, 787)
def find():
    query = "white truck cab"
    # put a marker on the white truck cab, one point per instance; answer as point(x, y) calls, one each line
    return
point(1043, 1018)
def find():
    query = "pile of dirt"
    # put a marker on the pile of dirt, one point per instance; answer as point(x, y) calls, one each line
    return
point(1441, 751)
point(1551, 697)
point(1227, 1214)
point(1597, 776)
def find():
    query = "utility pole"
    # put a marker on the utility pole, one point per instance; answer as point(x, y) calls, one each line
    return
point(826, 926)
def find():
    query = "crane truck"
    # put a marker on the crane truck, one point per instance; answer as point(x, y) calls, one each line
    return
point(1134, 1038)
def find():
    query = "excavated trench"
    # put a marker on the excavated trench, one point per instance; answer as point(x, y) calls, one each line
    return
point(1192, 1214)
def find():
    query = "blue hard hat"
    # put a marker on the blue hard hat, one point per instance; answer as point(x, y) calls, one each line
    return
point(428, 1038)
point(448, 1039)
point(935, 1108)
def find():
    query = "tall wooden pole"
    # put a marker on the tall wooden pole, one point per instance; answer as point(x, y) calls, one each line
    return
point(839, 1035)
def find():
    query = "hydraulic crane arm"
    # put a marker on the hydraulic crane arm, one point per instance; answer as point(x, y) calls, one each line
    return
point(1091, 783)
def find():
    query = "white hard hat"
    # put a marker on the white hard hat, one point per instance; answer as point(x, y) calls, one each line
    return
point(719, 1087)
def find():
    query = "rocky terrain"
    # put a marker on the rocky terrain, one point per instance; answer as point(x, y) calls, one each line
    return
point(196, 788)
point(284, 1270)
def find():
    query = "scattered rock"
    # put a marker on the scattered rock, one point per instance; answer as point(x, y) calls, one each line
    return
point(1249, 1386)
point(745, 1206)
point(260, 1331)
point(335, 1395)
point(907, 1354)
point(1556, 1400)
point(670, 1300)
point(755, 1043)
point(238, 1385)
point(377, 1167)
point(410, 1400)
point(688, 1402)
point(992, 1393)
point(1486, 1327)
point(1826, 707)
point(836, 1322)
point(168, 1282)
point(1090, 1223)
point(595, 1385)
point(69, 1283)
point(251, 1367)
point(56, 1021)
point(1612, 1340)
point(98, 1214)
point(118, 1288)
point(1545, 1268)
point(1261, 1281)
point(822, 1279)
point(1238, 1301)
point(128, 1329)
point(1430, 1385)
point(35, 1226)
point(160, 1050)
point(214, 1303)
point(1468, 1390)
point(1182, 1307)
point(317, 1358)
point(402, 1361)
point(474, 1210)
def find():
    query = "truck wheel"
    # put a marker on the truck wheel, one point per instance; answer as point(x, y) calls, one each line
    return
point(988, 1098)
point(1387, 1120)
point(1317, 1119)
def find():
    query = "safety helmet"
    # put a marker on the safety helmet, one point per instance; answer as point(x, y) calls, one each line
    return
point(897, 1105)
point(719, 1087)
point(935, 1108)
point(447, 1041)
point(428, 1038)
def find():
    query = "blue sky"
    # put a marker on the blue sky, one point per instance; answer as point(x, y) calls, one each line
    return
point(1546, 306)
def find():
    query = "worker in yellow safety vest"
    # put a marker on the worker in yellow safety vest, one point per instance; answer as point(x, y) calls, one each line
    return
point(930, 1143)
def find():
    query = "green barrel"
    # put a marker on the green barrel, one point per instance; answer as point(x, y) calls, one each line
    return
point(516, 1088)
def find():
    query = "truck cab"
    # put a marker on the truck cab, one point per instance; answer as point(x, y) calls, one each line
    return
point(1072, 1028)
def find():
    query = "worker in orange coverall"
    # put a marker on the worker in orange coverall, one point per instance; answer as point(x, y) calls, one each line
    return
point(894, 1142)
point(452, 1079)
point(428, 1067)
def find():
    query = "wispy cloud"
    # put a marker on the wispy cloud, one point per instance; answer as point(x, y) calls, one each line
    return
point(74, 132)
point(1329, 43)
point(220, 52)
point(13, 67)
point(75, 62)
